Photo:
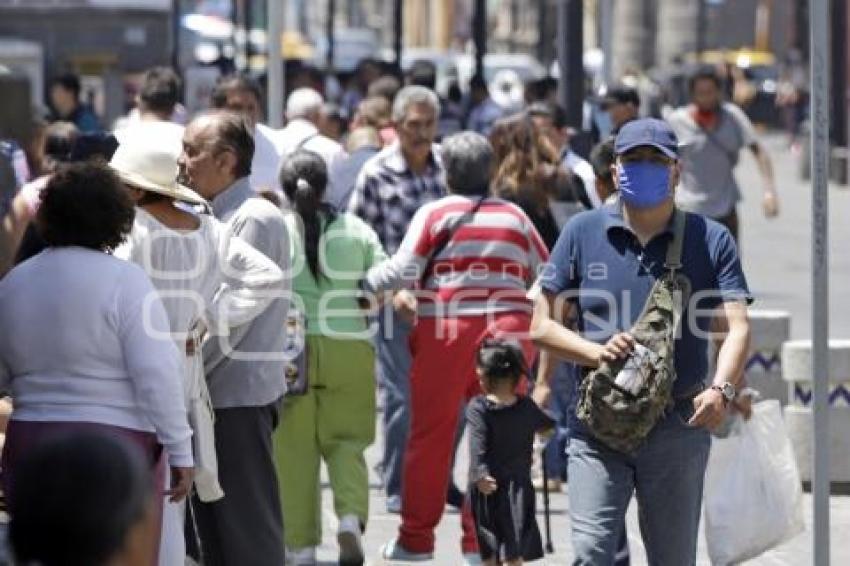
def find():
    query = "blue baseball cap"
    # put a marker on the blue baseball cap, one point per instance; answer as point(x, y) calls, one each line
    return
point(647, 132)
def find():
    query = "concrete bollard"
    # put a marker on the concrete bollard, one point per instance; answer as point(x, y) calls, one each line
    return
point(797, 371)
point(770, 330)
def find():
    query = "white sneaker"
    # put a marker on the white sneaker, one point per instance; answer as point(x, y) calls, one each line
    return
point(350, 539)
point(472, 559)
point(393, 552)
point(394, 504)
point(301, 556)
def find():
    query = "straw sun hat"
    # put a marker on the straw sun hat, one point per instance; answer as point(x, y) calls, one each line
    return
point(146, 165)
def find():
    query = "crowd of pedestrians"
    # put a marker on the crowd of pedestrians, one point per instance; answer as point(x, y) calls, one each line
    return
point(204, 309)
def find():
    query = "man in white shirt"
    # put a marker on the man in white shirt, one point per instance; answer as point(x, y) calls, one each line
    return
point(158, 98)
point(303, 112)
point(242, 95)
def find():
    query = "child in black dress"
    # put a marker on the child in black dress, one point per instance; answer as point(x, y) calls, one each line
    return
point(501, 428)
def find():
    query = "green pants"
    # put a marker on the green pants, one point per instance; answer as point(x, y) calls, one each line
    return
point(334, 422)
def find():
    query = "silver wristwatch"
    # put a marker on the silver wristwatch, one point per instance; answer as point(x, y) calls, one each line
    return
point(727, 390)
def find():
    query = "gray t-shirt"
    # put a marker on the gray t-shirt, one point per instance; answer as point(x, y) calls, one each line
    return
point(708, 184)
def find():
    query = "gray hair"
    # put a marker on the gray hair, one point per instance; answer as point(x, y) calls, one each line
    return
point(468, 160)
point(410, 95)
point(232, 132)
point(303, 102)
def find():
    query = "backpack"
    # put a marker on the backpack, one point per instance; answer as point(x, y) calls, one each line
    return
point(620, 412)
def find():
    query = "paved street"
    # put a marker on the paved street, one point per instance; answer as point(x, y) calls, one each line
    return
point(383, 526)
point(776, 258)
point(777, 253)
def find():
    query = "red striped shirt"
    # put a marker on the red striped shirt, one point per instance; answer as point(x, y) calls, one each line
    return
point(487, 265)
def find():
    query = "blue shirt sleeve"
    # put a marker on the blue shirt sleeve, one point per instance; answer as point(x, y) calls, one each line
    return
point(731, 282)
point(87, 122)
point(561, 271)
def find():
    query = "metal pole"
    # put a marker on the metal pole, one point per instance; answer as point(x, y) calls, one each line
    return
point(702, 22)
point(763, 10)
point(249, 25)
point(398, 17)
point(479, 35)
point(276, 87)
point(606, 17)
point(838, 73)
point(240, 36)
point(819, 62)
point(234, 30)
point(330, 33)
point(570, 50)
point(542, 36)
point(846, 57)
point(175, 36)
point(514, 11)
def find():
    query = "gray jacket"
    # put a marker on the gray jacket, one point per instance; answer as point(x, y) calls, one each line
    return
point(245, 369)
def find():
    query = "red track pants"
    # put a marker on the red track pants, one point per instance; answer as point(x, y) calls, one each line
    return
point(443, 374)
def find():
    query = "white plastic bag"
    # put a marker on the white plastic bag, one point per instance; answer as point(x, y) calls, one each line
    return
point(202, 421)
point(753, 496)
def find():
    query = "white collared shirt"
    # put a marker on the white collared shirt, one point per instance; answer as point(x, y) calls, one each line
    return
point(302, 134)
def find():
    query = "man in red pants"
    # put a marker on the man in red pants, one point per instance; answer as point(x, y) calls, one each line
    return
point(473, 257)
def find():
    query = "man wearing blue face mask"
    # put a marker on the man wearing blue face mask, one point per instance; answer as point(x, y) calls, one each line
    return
point(600, 275)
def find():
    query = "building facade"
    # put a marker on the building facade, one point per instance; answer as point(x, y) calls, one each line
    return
point(104, 41)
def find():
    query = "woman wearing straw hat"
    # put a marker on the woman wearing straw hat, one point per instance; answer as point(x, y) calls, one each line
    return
point(206, 276)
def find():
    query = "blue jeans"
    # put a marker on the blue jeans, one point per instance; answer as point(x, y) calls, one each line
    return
point(561, 405)
point(666, 475)
point(393, 360)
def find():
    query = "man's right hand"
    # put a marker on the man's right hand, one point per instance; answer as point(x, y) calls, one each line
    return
point(617, 348)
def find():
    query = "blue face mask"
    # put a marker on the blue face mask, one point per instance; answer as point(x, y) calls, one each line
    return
point(644, 184)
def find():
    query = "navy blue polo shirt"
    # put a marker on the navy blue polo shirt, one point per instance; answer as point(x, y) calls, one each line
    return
point(599, 263)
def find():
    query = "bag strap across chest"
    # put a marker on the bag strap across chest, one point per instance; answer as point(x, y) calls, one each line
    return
point(673, 262)
point(446, 236)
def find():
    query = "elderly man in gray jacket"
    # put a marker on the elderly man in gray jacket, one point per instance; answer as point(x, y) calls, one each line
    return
point(245, 369)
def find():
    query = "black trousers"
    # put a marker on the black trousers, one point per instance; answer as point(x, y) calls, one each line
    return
point(245, 528)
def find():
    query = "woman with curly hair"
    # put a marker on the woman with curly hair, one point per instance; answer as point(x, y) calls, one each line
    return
point(527, 171)
point(86, 338)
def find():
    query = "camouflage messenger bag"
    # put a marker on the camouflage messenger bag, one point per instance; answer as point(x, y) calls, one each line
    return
point(620, 402)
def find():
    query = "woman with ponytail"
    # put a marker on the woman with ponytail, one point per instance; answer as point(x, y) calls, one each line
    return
point(334, 420)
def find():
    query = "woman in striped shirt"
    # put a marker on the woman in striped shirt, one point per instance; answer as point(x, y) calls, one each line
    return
point(472, 258)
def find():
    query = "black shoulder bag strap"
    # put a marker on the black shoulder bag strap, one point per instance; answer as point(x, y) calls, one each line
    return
point(673, 262)
point(303, 142)
point(446, 238)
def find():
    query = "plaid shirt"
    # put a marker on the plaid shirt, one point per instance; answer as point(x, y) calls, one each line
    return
point(388, 193)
